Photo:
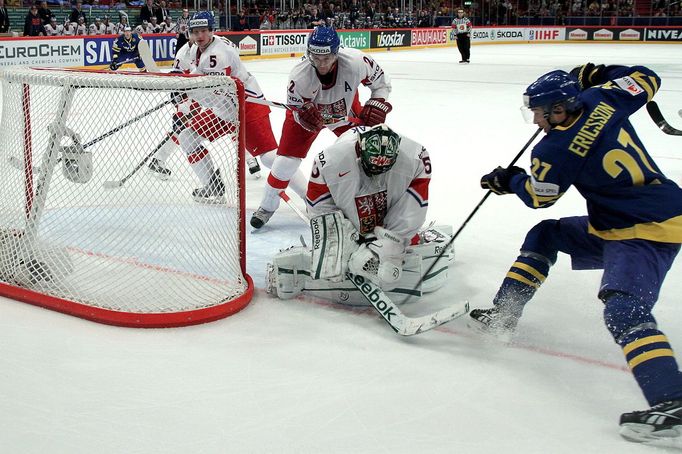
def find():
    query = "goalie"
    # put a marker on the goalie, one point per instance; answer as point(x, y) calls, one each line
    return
point(367, 197)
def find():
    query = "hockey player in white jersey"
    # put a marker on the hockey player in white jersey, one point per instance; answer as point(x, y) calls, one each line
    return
point(367, 199)
point(323, 88)
point(97, 28)
point(109, 27)
point(53, 28)
point(212, 56)
point(81, 28)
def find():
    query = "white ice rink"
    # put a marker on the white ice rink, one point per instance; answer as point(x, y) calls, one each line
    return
point(305, 376)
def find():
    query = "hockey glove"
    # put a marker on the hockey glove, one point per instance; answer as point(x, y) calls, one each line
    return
point(374, 111)
point(114, 66)
point(499, 179)
point(309, 117)
point(589, 75)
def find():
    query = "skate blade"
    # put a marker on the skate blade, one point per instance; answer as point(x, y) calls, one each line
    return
point(220, 200)
point(642, 433)
point(159, 176)
point(499, 335)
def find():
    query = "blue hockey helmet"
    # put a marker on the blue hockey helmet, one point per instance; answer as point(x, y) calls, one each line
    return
point(323, 40)
point(200, 20)
point(553, 89)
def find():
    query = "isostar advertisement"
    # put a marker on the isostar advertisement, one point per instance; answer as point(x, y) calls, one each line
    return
point(97, 50)
point(273, 43)
point(485, 34)
point(430, 36)
point(44, 52)
point(546, 34)
point(664, 34)
point(247, 43)
point(387, 39)
point(603, 34)
point(355, 40)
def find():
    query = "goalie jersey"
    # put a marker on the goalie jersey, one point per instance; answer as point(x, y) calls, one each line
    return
point(600, 154)
point(396, 200)
point(335, 102)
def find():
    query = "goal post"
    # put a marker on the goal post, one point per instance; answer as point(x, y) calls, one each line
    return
point(142, 252)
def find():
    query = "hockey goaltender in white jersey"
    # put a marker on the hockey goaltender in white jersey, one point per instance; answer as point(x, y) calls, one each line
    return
point(367, 198)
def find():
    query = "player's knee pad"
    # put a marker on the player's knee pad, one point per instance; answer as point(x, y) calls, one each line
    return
point(541, 239)
point(288, 272)
point(190, 141)
point(624, 312)
point(267, 159)
point(284, 167)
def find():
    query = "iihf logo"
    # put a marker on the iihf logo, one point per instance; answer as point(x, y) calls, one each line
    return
point(531, 35)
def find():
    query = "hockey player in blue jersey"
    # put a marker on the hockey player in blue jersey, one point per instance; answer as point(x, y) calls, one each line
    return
point(126, 51)
point(632, 231)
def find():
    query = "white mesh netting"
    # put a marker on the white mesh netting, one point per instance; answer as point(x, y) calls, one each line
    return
point(112, 234)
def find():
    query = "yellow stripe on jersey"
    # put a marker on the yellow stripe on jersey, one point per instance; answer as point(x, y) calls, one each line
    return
point(639, 359)
point(640, 78)
point(658, 338)
point(530, 270)
point(668, 231)
point(518, 277)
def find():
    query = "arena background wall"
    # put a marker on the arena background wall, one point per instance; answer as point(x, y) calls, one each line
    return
point(95, 51)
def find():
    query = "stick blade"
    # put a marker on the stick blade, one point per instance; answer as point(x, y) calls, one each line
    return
point(112, 184)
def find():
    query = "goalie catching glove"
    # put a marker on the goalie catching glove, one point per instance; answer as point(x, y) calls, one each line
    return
point(309, 117)
point(374, 111)
point(381, 259)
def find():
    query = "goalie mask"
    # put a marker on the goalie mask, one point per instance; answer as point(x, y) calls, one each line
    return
point(378, 147)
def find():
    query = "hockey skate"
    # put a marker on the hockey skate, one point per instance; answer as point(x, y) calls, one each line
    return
point(260, 217)
point(158, 170)
point(661, 425)
point(254, 167)
point(497, 320)
point(213, 192)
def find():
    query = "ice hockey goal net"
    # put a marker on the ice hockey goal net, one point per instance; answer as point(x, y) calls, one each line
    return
point(87, 229)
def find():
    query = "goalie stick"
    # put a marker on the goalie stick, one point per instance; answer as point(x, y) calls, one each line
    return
point(657, 116)
point(389, 311)
point(446, 248)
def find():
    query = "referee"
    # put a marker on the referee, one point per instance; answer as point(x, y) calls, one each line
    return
point(462, 26)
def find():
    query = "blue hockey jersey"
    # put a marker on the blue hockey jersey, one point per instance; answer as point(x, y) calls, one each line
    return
point(126, 49)
point(600, 154)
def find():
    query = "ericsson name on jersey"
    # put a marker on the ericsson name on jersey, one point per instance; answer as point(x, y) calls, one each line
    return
point(396, 200)
point(335, 102)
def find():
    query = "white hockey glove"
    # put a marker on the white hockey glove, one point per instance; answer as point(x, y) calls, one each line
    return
point(334, 240)
point(380, 260)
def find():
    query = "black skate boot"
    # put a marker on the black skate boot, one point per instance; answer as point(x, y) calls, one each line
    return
point(213, 192)
point(260, 217)
point(498, 320)
point(254, 167)
point(158, 170)
point(661, 425)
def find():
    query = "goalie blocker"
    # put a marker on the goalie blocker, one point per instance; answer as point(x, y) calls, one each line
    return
point(336, 250)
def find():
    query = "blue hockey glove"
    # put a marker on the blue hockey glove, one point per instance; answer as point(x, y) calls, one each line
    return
point(498, 180)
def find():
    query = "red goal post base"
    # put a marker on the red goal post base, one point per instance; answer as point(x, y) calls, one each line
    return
point(130, 319)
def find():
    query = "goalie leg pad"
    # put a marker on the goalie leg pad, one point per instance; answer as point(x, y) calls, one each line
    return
point(334, 240)
point(288, 273)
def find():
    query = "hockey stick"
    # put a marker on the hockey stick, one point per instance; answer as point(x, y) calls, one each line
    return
point(146, 56)
point(446, 248)
point(657, 116)
point(281, 105)
point(113, 184)
point(375, 296)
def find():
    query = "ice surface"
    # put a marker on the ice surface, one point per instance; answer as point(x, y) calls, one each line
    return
point(305, 376)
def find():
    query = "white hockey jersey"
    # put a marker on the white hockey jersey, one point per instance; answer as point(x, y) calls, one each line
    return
point(183, 60)
point(335, 102)
point(56, 30)
point(396, 200)
point(81, 30)
point(219, 58)
point(95, 29)
point(70, 28)
point(109, 29)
